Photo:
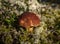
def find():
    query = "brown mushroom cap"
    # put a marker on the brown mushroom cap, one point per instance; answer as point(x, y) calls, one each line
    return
point(29, 19)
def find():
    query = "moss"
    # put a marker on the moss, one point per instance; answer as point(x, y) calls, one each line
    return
point(12, 33)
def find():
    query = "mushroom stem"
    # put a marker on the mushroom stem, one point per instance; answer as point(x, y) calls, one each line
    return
point(30, 29)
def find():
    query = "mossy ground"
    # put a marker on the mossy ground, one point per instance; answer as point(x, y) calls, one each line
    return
point(12, 33)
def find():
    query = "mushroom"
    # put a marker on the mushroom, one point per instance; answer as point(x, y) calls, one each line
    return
point(29, 20)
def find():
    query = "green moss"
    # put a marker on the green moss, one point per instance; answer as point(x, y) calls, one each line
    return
point(50, 23)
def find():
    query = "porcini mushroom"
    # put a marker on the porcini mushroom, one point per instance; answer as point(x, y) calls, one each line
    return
point(29, 20)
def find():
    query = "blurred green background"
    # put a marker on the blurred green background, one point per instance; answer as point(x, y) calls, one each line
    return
point(47, 33)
